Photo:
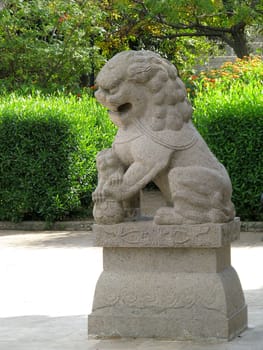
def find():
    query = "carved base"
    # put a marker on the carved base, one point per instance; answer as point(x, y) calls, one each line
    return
point(173, 292)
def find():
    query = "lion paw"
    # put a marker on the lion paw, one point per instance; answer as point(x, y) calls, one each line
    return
point(98, 196)
point(116, 180)
point(167, 216)
point(171, 216)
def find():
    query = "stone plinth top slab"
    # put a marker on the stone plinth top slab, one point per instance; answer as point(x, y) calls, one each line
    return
point(146, 233)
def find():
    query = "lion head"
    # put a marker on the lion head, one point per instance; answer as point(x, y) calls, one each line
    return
point(142, 84)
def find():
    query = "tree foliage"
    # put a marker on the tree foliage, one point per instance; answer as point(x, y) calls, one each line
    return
point(61, 43)
point(224, 20)
point(48, 41)
point(129, 26)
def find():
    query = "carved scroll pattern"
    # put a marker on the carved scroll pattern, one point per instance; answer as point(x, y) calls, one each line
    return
point(159, 237)
point(191, 294)
point(147, 234)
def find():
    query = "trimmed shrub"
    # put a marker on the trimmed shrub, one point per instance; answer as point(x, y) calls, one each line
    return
point(229, 115)
point(47, 154)
point(48, 144)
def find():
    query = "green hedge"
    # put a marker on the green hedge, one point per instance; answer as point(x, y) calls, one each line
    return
point(48, 147)
point(231, 121)
point(47, 154)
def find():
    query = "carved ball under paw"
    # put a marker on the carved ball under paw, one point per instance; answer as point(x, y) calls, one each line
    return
point(108, 212)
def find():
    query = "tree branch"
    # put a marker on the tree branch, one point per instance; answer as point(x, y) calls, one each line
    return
point(178, 35)
point(197, 26)
point(144, 7)
point(203, 30)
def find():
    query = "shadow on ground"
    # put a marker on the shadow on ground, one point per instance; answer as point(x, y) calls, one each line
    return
point(45, 239)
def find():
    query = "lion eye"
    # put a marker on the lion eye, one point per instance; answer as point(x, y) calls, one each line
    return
point(102, 90)
point(113, 90)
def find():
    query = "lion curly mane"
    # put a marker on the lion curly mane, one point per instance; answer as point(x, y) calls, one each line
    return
point(172, 108)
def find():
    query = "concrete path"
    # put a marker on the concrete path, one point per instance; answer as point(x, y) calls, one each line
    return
point(47, 284)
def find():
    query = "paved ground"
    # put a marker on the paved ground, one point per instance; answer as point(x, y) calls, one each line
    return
point(47, 284)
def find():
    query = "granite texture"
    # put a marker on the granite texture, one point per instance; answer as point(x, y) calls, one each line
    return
point(156, 142)
point(172, 282)
point(169, 276)
point(146, 233)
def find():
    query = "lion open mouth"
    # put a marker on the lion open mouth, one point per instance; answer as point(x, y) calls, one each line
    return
point(125, 107)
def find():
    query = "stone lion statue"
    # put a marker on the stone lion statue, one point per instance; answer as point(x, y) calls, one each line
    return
point(157, 142)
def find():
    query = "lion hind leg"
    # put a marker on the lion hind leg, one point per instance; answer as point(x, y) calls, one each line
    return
point(199, 195)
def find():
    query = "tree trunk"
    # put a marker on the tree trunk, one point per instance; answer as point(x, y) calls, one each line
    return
point(238, 41)
point(240, 45)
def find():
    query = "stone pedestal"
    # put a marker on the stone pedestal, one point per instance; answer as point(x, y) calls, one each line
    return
point(167, 281)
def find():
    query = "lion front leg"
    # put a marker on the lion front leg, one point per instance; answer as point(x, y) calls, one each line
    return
point(147, 160)
point(199, 195)
point(137, 176)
